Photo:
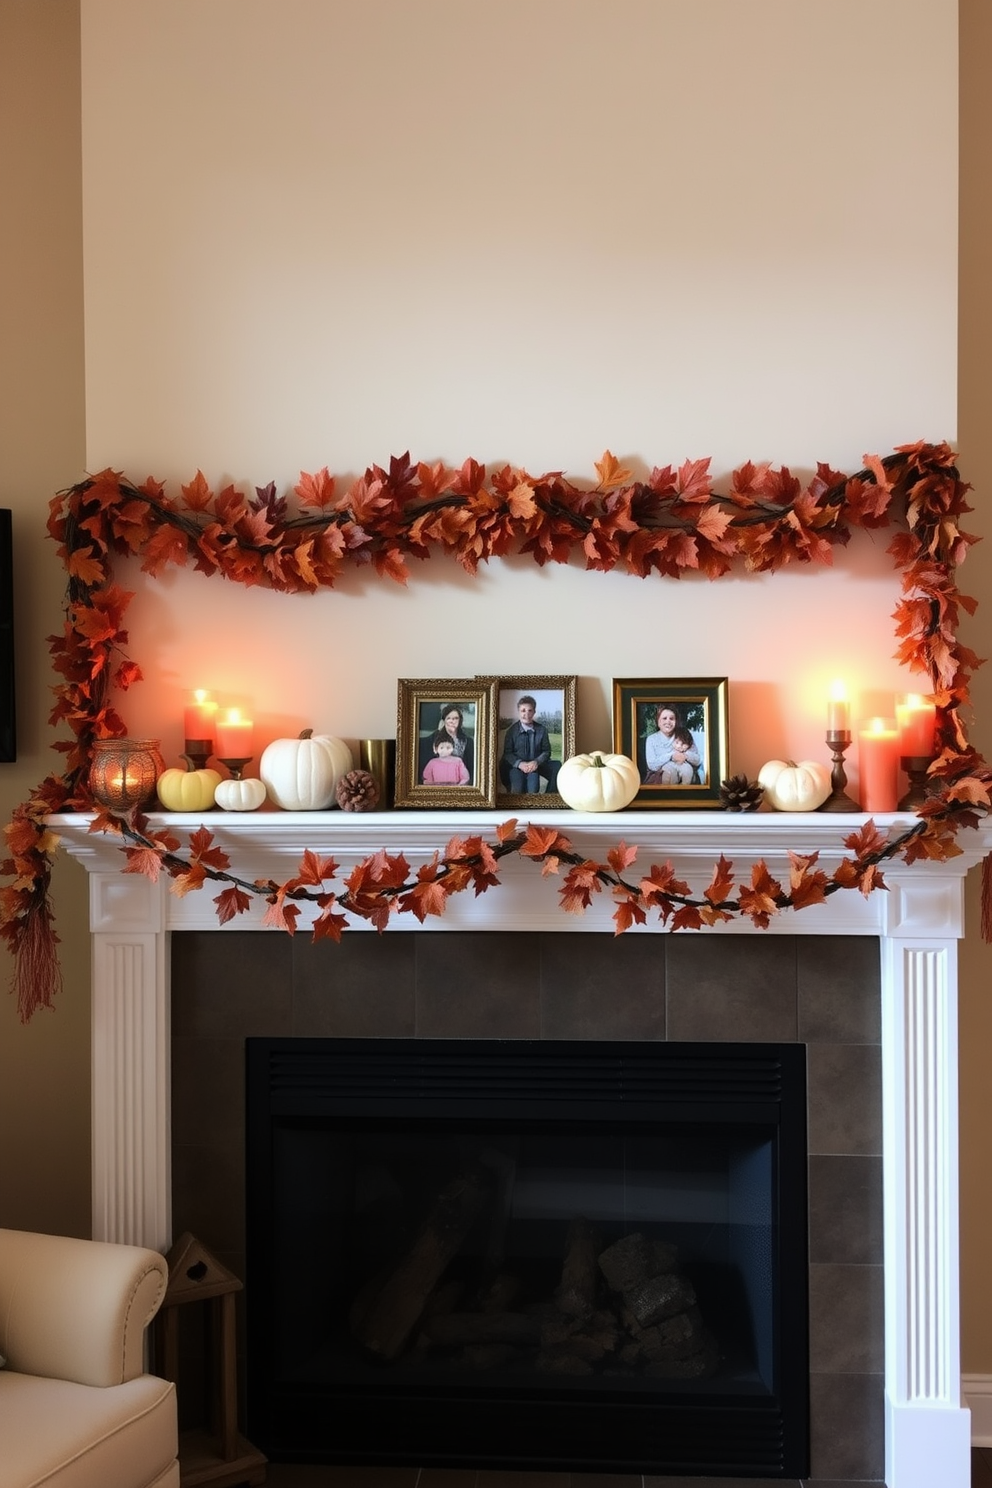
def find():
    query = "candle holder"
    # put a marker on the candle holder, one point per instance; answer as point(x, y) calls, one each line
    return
point(236, 766)
point(838, 742)
point(199, 751)
point(917, 767)
point(123, 773)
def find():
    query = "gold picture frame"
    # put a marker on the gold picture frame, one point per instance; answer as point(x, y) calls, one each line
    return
point(427, 773)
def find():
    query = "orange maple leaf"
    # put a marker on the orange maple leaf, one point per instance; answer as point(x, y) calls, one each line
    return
point(86, 567)
point(281, 916)
point(621, 856)
point(425, 898)
point(186, 883)
point(628, 912)
point(143, 860)
point(540, 841)
point(316, 490)
point(722, 882)
point(197, 493)
point(611, 473)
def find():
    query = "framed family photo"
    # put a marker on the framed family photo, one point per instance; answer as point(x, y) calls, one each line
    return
point(676, 730)
point(533, 735)
point(444, 742)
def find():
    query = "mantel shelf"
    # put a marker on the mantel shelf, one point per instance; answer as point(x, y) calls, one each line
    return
point(268, 844)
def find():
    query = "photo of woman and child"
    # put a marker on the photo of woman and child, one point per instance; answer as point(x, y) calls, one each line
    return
point(447, 746)
point(674, 745)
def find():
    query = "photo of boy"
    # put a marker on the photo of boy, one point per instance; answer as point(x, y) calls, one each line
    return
point(527, 757)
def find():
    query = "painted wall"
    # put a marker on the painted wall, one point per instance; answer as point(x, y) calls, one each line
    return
point(324, 233)
point(44, 1068)
point(522, 233)
point(976, 461)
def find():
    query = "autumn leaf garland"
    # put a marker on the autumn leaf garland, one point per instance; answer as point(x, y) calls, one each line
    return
point(671, 523)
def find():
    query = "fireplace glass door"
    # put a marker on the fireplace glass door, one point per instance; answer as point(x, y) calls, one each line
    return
point(528, 1254)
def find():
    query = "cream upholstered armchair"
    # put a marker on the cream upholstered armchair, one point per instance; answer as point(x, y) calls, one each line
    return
point(77, 1409)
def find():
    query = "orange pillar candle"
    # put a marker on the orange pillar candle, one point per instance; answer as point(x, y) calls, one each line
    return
point(917, 720)
point(235, 736)
point(879, 749)
point(199, 716)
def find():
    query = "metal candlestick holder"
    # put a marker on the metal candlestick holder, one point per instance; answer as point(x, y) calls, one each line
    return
point(917, 767)
point(198, 752)
point(236, 766)
point(838, 742)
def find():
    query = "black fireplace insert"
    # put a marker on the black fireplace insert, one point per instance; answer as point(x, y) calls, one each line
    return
point(528, 1254)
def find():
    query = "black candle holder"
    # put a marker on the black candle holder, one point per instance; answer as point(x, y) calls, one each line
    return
point(838, 742)
point(198, 751)
point(236, 766)
point(917, 767)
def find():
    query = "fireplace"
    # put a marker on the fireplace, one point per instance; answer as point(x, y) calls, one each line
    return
point(907, 1391)
point(529, 1254)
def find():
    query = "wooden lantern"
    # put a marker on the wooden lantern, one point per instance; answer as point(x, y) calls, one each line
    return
point(220, 1455)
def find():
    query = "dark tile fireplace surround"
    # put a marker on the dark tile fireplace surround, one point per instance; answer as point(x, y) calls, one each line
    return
point(821, 991)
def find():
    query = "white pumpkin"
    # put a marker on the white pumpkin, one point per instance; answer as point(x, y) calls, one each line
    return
point(598, 781)
point(240, 795)
point(302, 774)
point(789, 786)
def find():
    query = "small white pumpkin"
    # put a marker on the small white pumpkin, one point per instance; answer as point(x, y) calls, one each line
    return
point(789, 786)
point(302, 774)
point(240, 795)
point(598, 781)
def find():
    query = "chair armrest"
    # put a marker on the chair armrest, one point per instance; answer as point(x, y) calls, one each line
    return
point(77, 1309)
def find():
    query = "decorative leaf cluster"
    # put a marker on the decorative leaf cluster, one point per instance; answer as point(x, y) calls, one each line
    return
point(673, 522)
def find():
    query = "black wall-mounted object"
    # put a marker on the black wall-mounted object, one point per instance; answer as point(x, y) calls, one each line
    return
point(8, 730)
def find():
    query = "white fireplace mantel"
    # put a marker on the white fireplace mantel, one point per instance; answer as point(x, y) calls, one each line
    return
point(918, 920)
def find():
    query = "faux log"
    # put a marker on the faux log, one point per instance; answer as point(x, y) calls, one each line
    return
point(392, 1316)
point(576, 1293)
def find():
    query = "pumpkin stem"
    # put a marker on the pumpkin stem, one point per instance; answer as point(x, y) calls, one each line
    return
point(597, 760)
point(306, 733)
point(190, 762)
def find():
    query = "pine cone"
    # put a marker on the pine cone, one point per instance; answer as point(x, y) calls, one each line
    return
point(357, 791)
point(740, 794)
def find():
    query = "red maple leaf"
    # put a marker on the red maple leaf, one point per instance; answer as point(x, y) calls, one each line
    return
point(231, 902)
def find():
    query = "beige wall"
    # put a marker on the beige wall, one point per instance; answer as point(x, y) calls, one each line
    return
point(976, 462)
point(518, 234)
point(44, 1068)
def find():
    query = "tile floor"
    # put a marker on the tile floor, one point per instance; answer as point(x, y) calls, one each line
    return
point(281, 1475)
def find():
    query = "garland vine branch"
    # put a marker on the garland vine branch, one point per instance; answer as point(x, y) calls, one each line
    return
point(669, 523)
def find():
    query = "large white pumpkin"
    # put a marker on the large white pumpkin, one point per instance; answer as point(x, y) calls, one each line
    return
point(598, 781)
point(795, 787)
point(302, 774)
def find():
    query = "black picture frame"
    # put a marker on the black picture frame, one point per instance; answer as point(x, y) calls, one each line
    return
point(8, 716)
point(691, 779)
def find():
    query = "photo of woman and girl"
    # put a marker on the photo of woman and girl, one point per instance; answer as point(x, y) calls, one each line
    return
point(447, 750)
point(673, 755)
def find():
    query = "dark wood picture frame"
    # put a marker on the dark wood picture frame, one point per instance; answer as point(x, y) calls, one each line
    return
point(554, 711)
point(421, 708)
point(699, 706)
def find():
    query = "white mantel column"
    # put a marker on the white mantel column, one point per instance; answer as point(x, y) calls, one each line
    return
point(927, 1430)
point(131, 1102)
